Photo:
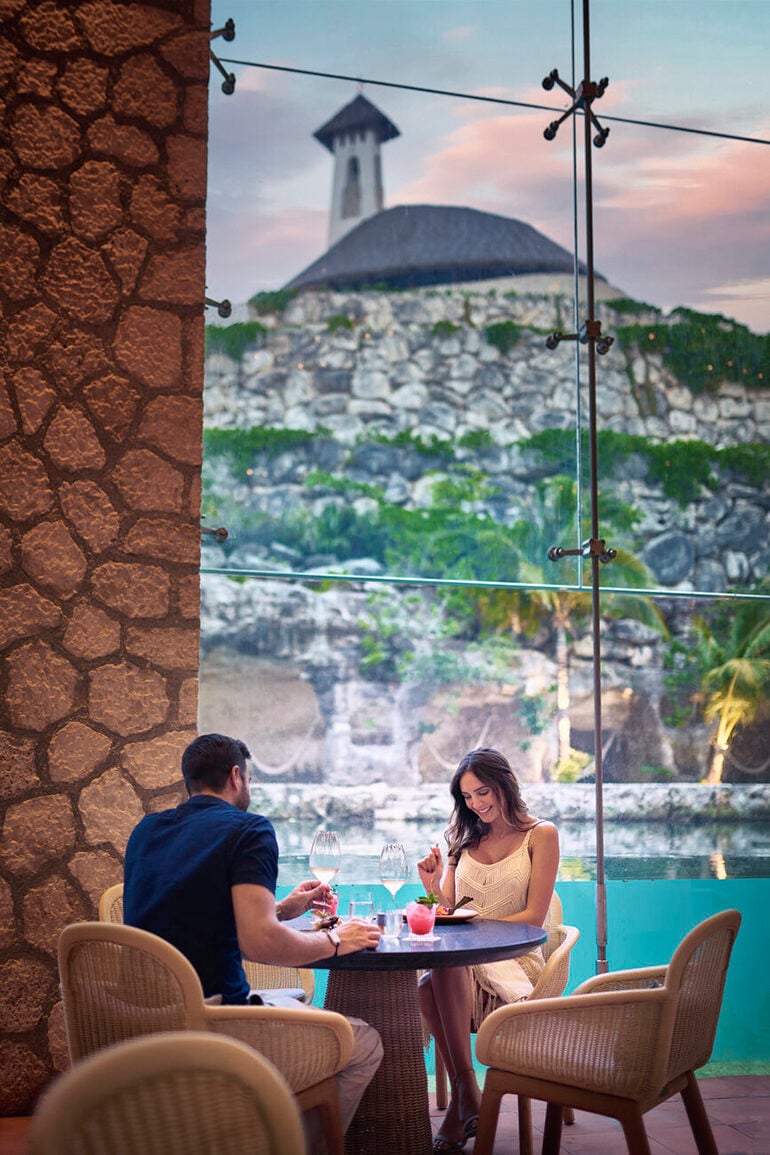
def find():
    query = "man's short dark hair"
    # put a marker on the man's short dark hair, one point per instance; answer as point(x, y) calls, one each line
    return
point(208, 760)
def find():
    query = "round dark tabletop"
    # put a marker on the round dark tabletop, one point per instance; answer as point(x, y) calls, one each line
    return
point(482, 940)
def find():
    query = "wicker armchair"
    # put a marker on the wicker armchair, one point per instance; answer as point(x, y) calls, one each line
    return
point(620, 1045)
point(119, 982)
point(170, 1094)
point(296, 982)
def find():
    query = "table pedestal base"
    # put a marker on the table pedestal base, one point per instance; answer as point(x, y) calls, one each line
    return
point(393, 1117)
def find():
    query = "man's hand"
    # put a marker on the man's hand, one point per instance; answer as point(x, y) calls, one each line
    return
point(307, 894)
point(357, 935)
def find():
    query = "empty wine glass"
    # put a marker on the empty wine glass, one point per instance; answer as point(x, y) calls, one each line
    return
point(325, 855)
point(394, 868)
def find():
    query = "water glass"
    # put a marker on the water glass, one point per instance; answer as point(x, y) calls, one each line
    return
point(392, 923)
point(361, 909)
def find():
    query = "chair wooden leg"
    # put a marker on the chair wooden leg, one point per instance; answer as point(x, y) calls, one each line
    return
point(552, 1131)
point(699, 1120)
point(636, 1136)
point(525, 1126)
point(442, 1100)
point(489, 1113)
point(324, 1097)
point(568, 1116)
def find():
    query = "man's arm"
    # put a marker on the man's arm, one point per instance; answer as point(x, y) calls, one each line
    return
point(262, 938)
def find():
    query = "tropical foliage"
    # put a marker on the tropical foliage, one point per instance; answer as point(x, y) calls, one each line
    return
point(734, 650)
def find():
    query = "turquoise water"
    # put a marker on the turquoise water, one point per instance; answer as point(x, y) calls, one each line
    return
point(646, 920)
point(633, 850)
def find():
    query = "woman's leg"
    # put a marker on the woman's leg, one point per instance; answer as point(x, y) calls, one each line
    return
point(445, 1000)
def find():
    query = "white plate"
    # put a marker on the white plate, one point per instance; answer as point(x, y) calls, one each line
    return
point(465, 914)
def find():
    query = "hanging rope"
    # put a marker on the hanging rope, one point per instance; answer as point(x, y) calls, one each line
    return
point(443, 762)
point(290, 763)
point(754, 770)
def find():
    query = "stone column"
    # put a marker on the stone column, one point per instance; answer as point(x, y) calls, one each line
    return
point(102, 229)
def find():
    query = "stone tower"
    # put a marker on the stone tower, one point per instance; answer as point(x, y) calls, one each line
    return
point(354, 137)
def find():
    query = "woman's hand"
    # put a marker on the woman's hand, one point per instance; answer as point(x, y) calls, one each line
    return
point(430, 869)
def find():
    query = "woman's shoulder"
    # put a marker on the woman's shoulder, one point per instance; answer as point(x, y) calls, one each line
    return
point(541, 830)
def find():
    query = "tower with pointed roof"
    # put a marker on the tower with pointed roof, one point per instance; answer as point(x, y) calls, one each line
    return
point(354, 137)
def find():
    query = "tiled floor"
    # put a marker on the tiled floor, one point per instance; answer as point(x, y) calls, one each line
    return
point(738, 1108)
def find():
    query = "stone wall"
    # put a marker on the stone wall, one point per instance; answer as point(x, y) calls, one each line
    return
point(360, 363)
point(356, 365)
point(102, 282)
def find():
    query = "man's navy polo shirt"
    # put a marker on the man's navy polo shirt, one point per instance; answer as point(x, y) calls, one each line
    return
point(180, 867)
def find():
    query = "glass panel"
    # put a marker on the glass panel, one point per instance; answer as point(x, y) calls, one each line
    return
point(410, 427)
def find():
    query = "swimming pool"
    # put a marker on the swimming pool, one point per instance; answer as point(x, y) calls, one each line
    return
point(633, 850)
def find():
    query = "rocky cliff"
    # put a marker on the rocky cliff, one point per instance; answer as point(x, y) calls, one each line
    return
point(366, 401)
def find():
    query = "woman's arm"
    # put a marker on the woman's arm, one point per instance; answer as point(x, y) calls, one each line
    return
point(431, 869)
point(544, 852)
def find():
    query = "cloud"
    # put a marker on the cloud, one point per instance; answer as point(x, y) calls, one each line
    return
point(678, 219)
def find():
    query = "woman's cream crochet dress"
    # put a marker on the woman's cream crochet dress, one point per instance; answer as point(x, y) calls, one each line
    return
point(498, 890)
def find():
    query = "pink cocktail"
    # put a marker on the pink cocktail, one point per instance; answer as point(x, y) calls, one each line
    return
point(420, 918)
point(329, 907)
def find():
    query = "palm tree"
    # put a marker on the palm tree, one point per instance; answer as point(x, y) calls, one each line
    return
point(735, 649)
point(562, 611)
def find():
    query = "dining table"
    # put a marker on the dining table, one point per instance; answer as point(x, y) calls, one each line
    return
point(380, 986)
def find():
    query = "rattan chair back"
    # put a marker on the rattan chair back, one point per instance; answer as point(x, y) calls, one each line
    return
point(111, 904)
point(698, 971)
point(298, 982)
point(118, 982)
point(169, 1094)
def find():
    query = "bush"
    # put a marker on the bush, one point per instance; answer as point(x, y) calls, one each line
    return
point(234, 340)
point(504, 335)
point(339, 322)
point(701, 349)
point(271, 302)
point(444, 329)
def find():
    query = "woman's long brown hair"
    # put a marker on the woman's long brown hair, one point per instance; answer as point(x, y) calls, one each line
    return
point(466, 829)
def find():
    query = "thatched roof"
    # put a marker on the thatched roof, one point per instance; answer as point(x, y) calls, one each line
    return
point(413, 245)
point(360, 114)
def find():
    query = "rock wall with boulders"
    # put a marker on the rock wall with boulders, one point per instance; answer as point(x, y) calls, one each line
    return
point(356, 370)
point(420, 362)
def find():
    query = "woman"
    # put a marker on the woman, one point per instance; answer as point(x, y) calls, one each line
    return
point(506, 862)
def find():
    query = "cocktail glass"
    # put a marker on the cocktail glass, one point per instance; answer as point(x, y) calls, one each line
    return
point(420, 918)
point(394, 867)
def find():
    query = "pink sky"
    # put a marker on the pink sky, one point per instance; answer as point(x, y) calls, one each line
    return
point(679, 218)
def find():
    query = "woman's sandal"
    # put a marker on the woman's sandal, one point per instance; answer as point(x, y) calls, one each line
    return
point(444, 1146)
point(470, 1127)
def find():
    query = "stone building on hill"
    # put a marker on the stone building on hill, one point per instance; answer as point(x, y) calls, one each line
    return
point(410, 246)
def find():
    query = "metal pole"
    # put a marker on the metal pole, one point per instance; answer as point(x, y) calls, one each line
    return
point(601, 893)
point(590, 334)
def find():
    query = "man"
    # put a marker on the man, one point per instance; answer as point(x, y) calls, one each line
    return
point(203, 877)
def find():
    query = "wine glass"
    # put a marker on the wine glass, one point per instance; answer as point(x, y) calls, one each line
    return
point(325, 855)
point(394, 868)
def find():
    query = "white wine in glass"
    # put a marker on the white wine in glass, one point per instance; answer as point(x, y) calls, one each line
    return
point(325, 855)
point(394, 868)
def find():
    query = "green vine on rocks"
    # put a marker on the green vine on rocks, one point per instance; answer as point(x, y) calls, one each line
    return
point(702, 349)
point(273, 301)
point(241, 446)
point(234, 340)
point(679, 467)
point(444, 329)
point(504, 335)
